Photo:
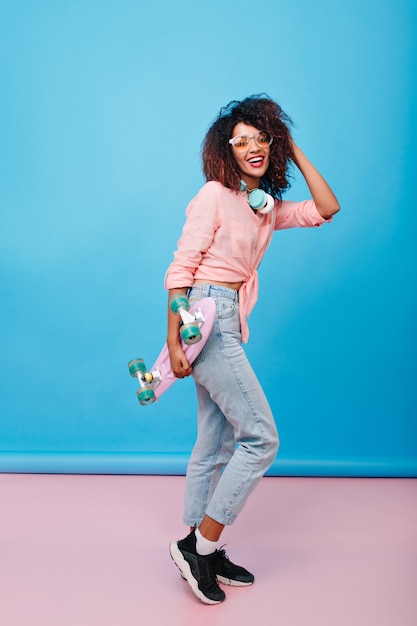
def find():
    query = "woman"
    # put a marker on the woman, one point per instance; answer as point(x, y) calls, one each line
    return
point(227, 230)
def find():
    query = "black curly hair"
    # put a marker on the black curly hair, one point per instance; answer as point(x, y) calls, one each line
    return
point(262, 112)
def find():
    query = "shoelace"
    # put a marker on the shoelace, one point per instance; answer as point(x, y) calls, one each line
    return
point(221, 554)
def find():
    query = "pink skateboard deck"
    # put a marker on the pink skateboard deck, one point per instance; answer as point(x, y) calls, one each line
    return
point(155, 382)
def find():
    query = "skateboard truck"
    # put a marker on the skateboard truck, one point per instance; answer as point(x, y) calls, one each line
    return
point(191, 322)
point(192, 318)
point(148, 381)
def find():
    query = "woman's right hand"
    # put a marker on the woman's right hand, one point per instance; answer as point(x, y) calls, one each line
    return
point(179, 364)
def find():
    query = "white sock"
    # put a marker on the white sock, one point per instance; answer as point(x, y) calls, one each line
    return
point(204, 546)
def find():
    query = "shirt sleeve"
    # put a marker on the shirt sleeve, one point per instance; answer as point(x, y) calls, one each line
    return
point(202, 221)
point(292, 214)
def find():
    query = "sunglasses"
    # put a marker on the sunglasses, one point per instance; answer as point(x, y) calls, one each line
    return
point(241, 142)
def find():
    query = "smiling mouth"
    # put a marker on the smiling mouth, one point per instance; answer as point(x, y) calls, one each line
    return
point(256, 161)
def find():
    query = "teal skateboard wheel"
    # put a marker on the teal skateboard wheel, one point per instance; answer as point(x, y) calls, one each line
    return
point(190, 333)
point(179, 302)
point(135, 366)
point(146, 396)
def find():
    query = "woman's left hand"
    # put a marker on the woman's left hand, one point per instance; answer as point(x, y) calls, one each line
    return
point(324, 198)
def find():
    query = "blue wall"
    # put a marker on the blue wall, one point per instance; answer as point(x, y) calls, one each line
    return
point(104, 106)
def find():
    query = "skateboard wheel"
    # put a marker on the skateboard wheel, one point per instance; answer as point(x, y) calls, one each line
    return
point(135, 366)
point(190, 333)
point(146, 396)
point(179, 302)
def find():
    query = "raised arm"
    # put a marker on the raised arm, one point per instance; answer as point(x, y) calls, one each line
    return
point(324, 198)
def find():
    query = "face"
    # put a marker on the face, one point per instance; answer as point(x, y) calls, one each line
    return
point(253, 160)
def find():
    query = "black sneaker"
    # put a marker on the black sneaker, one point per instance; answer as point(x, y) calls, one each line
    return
point(199, 571)
point(230, 574)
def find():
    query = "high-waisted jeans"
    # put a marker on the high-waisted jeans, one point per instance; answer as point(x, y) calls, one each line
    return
point(237, 438)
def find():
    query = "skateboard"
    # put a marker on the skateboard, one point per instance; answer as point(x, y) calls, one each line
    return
point(196, 324)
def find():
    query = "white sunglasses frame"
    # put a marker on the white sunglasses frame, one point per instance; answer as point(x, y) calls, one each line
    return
point(234, 140)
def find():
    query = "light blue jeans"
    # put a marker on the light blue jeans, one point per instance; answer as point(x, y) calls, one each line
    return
point(237, 438)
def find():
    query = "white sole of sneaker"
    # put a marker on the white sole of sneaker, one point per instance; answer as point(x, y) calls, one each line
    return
point(183, 566)
point(231, 582)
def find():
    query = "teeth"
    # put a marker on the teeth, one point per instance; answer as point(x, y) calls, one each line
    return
point(256, 160)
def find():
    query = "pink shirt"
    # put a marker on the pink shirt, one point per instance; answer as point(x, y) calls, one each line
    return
point(224, 240)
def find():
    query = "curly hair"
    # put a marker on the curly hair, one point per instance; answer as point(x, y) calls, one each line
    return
point(262, 112)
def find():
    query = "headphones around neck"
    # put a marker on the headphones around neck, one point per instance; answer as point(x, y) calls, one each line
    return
point(258, 199)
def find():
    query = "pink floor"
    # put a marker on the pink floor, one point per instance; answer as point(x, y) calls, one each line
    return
point(93, 551)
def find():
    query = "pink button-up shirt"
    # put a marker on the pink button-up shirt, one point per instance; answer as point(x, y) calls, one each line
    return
point(223, 240)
